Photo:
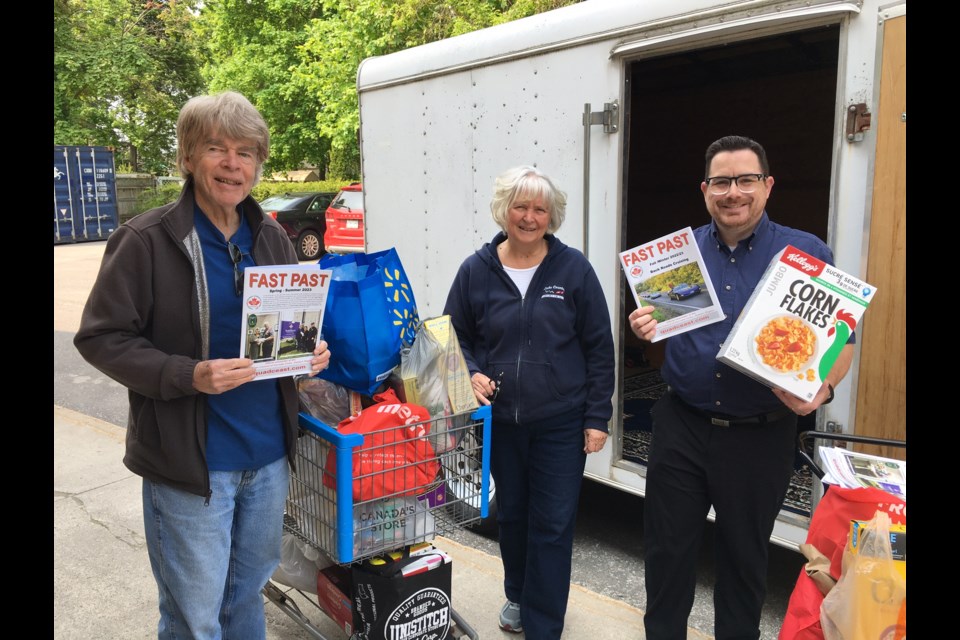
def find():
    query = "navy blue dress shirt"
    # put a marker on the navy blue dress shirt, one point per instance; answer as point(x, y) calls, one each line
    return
point(691, 367)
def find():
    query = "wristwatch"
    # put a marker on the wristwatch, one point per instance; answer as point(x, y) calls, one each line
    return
point(830, 399)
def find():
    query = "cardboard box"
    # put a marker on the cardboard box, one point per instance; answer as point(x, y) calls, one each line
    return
point(333, 593)
point(795, 323)
point(452, 367)
point(403, 597)
point(898, 542)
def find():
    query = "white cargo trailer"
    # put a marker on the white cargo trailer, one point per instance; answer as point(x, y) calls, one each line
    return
point(617, 101)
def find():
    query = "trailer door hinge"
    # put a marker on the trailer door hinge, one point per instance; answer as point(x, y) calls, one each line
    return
point(858, 121)
point(609, 117)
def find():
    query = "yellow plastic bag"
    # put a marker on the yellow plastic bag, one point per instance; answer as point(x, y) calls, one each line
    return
point(865, 603)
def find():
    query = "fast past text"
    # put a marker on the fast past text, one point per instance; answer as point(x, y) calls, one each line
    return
point(642, 254)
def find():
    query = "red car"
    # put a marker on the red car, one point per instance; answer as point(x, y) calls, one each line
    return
point(345, 228)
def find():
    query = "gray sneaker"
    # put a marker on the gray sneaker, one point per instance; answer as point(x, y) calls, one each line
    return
point(510, 618)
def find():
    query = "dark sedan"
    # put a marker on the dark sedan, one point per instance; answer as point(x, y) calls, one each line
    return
point(302, 216)
point(683, 291)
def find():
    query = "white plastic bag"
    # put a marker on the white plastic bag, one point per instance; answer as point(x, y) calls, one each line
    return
point(299, 564)
point(391, 523)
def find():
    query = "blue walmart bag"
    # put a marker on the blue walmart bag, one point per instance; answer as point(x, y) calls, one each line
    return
point(370, 315)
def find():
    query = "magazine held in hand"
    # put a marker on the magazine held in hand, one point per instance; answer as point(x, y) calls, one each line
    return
point(282, 317)
point(669, 274)
point(796, 323)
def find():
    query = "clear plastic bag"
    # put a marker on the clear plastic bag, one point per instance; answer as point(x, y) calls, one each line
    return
point(326, 401)
point(443, 386)
point(299, 564)
point(865, 604)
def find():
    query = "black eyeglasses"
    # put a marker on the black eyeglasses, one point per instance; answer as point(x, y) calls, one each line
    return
point(236, 255)
point(496, 390)
point(746, 183)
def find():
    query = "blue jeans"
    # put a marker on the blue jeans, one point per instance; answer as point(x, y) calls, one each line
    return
point(211, 560)
point(538, 470)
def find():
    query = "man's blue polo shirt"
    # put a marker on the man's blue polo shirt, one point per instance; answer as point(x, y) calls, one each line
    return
point(245, 424)
point(691, 367)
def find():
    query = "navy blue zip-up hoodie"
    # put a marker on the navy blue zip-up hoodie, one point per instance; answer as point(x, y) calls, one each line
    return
point(554, 348)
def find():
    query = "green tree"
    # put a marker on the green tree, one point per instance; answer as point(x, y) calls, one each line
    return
point(251, 47)
point(122, 71)
point(353, 30)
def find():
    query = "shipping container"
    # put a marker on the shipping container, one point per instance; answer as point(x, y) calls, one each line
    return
point(84, 193)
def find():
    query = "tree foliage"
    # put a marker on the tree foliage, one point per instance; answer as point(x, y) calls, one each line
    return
point(353, 30)
point(122, 70)
point(297, 61)
point(663, 282)
point(252, 47)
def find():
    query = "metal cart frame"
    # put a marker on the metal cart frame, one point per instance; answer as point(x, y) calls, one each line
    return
point(811, 436)
point(458, 444)
point(807, 440)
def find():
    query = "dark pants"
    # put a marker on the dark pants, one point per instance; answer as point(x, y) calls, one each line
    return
point(744, 472)
point(538, 470)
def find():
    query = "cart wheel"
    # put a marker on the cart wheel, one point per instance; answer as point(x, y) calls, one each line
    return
point(463, 491)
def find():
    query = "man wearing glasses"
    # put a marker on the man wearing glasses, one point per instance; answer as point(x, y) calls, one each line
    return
point(720, 438)
point(211, 442)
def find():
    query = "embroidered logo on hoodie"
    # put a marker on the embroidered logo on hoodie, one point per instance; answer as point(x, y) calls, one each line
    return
point(553, 291)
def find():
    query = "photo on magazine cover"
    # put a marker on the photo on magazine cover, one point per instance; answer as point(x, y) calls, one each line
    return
point(298, 333)
point(883, 472)
point(669, 275)
point(261, 336)
point(675, 292)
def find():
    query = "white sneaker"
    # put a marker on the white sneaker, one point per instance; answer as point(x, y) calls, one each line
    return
point(510, 618)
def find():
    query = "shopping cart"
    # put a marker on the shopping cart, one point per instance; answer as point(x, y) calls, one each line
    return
point(827, 535)
point(336, 513)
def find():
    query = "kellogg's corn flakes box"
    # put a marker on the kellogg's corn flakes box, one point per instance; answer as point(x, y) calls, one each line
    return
point(795, 323)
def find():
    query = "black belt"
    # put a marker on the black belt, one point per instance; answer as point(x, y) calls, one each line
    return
point(724, 420)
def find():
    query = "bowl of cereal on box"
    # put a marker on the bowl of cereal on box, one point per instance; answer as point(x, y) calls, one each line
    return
point(786, 345)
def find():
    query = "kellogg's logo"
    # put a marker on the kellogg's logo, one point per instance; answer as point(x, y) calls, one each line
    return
point(803, 262)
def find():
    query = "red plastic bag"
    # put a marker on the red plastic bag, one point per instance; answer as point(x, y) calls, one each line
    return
point(828, 533)
point(396, 458)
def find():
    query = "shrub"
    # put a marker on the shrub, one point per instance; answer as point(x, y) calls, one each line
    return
point(150, 198)
point(265, 188)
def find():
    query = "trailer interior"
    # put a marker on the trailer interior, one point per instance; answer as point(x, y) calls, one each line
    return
point(780, 90)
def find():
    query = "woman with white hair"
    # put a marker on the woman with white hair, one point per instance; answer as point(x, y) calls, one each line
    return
point(534, 329)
